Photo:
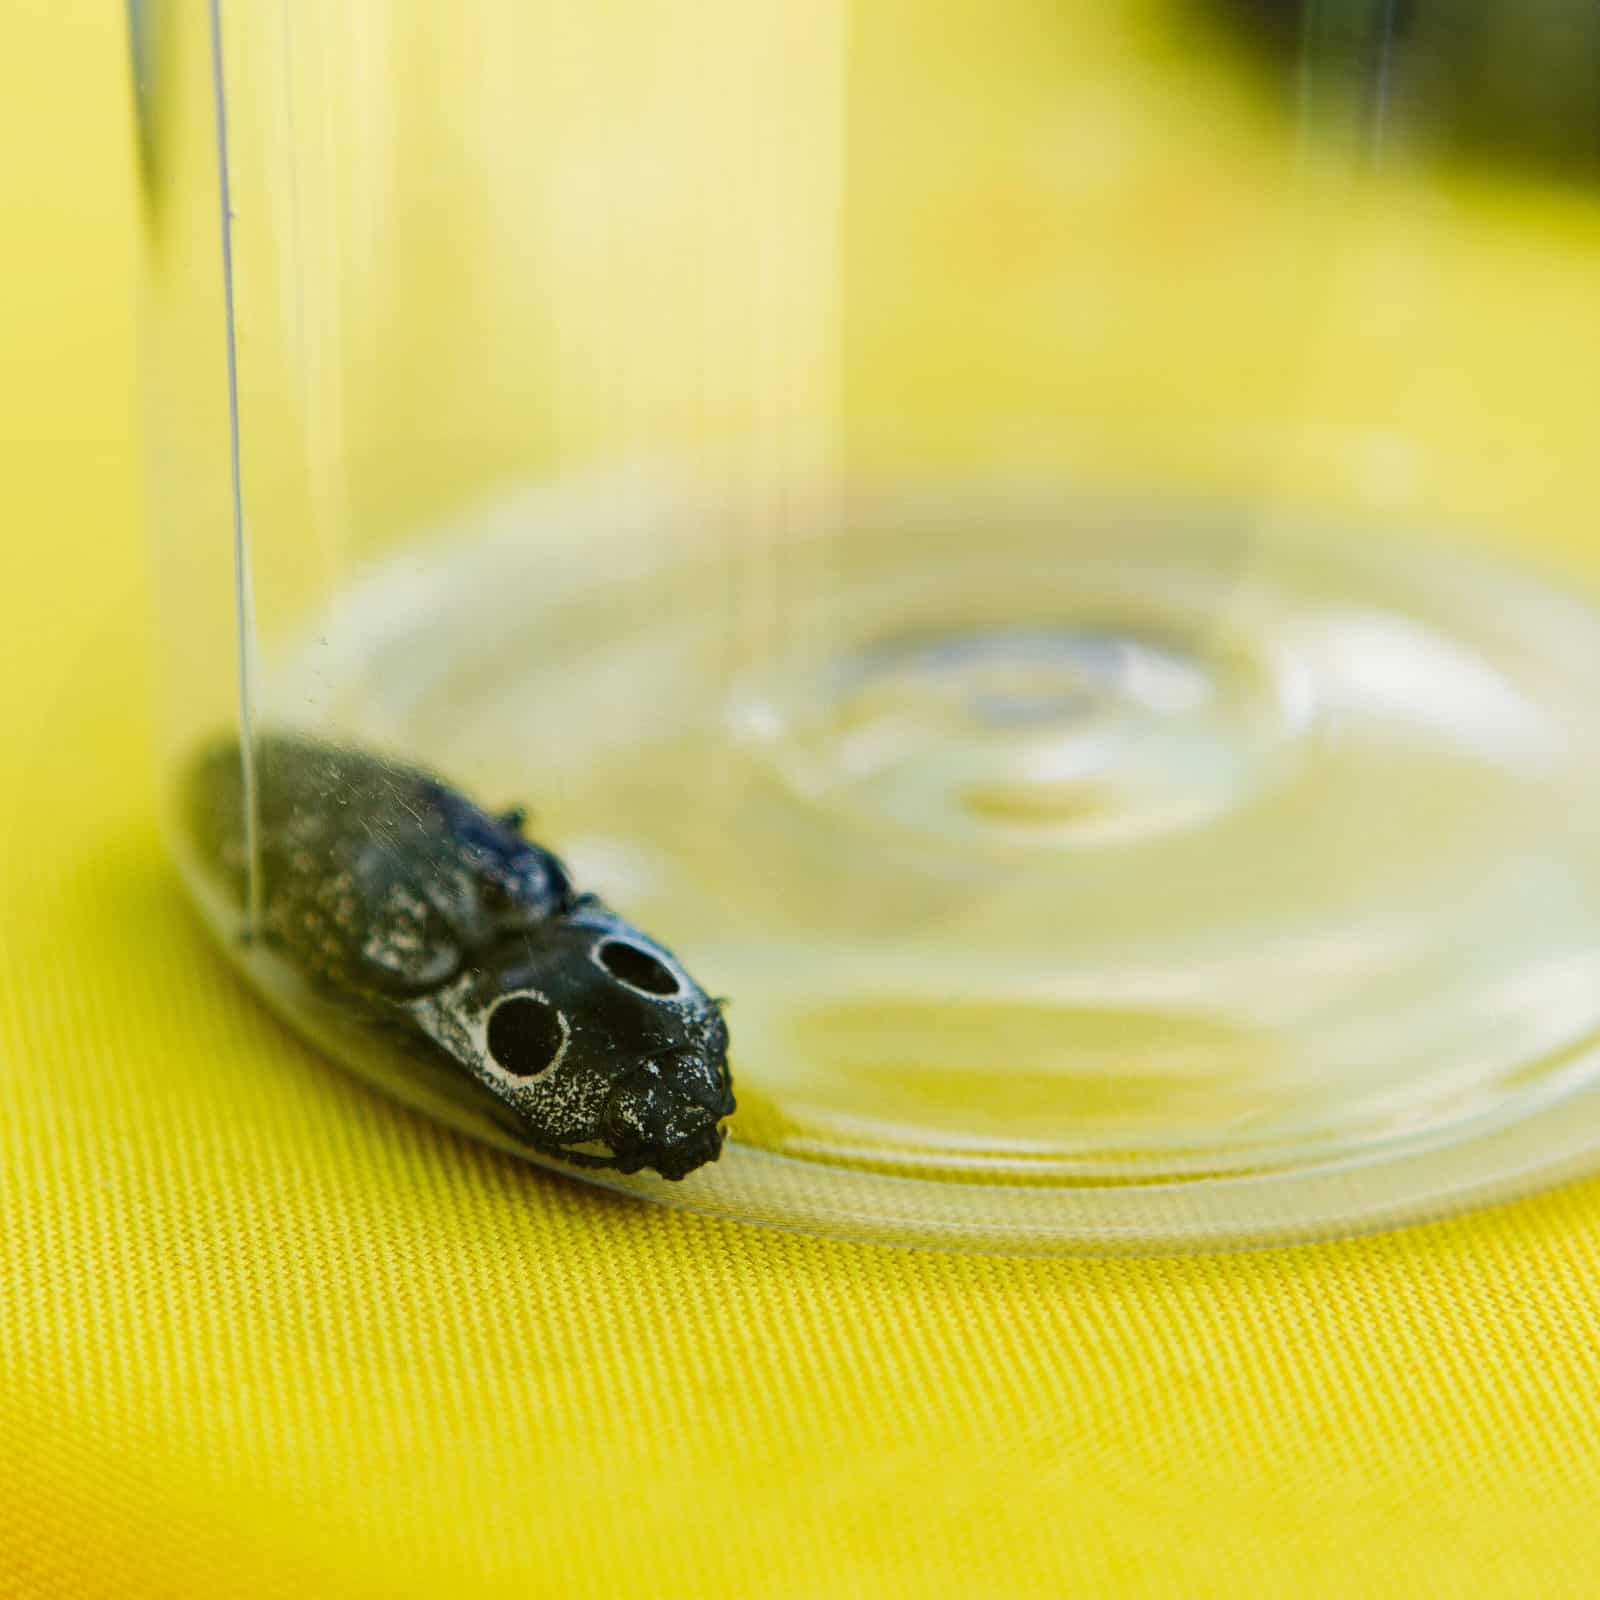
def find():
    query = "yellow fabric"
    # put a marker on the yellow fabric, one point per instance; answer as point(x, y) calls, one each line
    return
point(262, 1333)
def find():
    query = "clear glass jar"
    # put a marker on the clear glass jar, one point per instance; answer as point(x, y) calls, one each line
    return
point(1044, 550)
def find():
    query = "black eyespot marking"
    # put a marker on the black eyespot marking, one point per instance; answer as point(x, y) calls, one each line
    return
point(636, 968)
point(525, 1035)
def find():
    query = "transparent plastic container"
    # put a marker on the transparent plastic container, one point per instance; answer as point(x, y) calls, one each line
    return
point(1043, 553)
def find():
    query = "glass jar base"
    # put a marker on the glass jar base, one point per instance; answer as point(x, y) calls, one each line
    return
point(1122, 878)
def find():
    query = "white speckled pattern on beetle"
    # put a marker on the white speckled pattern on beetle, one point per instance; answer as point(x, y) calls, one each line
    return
point(395, 896)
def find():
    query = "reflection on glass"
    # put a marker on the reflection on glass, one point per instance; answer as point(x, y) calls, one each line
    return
point(1041, 548)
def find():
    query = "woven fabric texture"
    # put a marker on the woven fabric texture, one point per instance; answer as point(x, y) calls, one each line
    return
point(265, 1334)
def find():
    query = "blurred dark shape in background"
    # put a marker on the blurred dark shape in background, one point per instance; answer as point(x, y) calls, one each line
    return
point(1504, 81)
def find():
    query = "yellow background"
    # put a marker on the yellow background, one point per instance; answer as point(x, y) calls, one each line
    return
point(262, 1333)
